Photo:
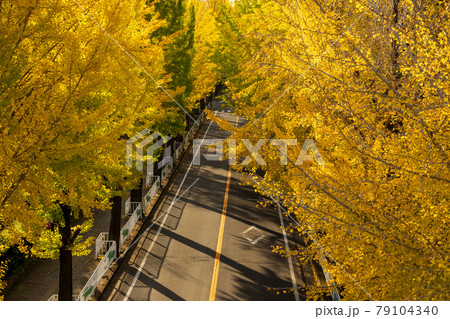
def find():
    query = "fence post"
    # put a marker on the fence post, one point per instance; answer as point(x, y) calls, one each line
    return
point(116, 218)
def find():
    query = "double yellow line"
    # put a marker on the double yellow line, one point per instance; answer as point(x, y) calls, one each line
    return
point(212, 293)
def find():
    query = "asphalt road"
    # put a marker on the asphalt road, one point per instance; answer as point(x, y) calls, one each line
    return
point(210, 240)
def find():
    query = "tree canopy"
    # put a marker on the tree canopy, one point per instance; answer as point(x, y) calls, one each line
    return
point(77, 78)
point(366, 82)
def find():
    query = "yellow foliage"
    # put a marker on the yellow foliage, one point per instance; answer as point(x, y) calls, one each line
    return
point(68, 93)
point(3, 268)
point(373, 94)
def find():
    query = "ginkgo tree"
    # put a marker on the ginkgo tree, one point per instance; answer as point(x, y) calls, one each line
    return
point(368, 82)
point(205, 72)
point(77, 79)
point(69, 91)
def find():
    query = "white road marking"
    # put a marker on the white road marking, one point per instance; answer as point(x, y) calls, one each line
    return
point(252, 241)
point(141, 266)
point(291, 266)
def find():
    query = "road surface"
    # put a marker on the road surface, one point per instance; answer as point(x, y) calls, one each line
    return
point(210, 240)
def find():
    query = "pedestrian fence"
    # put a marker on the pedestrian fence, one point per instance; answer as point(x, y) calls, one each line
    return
point(190, 134)
point(178, 150)
point(127, 206)
point(329, 279)
point(129, 226)
point(130, 207)
point(102, 244)
point(186, 139)
point(149, 179)
point(152, 191)
point(193, 130)
point(102, 267)
point(166, 171)
point(92, 283)
point(107, 249)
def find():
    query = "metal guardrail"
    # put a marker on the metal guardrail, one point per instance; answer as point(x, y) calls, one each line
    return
point(329, 279)
point(102, 267)
point(185, 141)
point(150, 180)
point(178, 151)
point(129, 226)
point(193, 130)
point(131, 207)
point(166, 171)
point(128, 206)
point(98, 273)
point(152, 192)
point(102, 244)
point(190, 134)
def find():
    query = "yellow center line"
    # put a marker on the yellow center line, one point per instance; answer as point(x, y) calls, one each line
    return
point(212, 293)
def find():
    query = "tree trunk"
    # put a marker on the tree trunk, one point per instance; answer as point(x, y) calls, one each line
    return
point(171, 144)
point(196, 111)
point(218, 89)
point(116, 218)
point(157, 170)
point(188, 122)
point(136, 194)
point(65, 258)
point(150, 169)
point(202, 105)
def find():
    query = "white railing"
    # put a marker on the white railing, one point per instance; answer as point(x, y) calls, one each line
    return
point(193, 130)
point(152, 192)
point(186, 140)
point(128, 227)
point(166, 171)
point(131, 208)
point(128, 206)
point(329, 279)
point(102, 267)
point(190, 134)
point(178, 150)
point(102, 244)
point(149, 180)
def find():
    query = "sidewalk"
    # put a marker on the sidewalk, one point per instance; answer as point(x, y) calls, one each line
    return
point(41, 278)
